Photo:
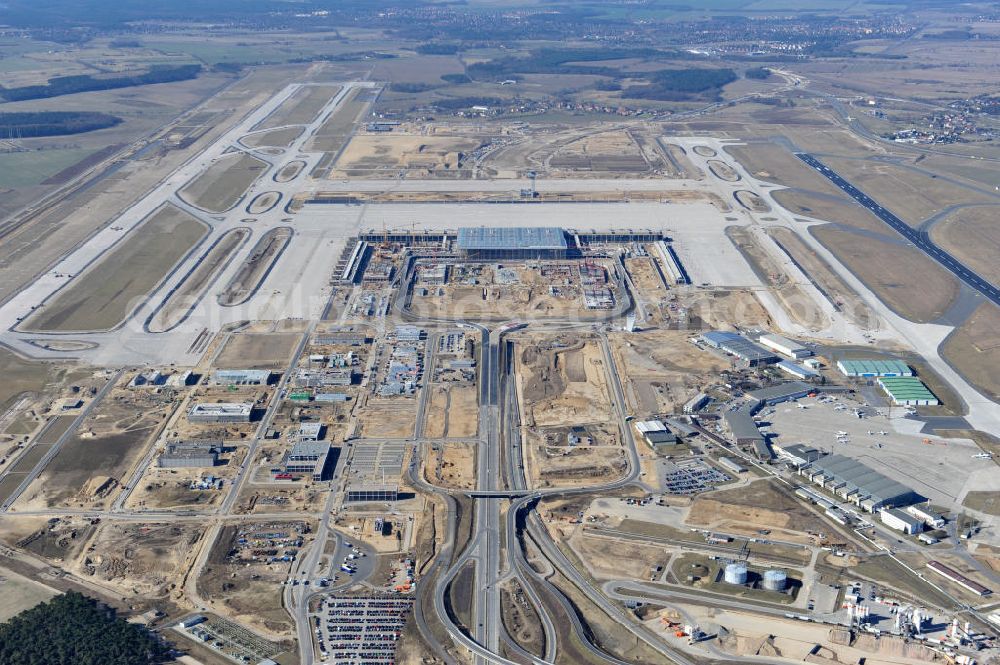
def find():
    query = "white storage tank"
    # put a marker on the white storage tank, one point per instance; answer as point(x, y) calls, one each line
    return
point(736, 573)
point(775, 580)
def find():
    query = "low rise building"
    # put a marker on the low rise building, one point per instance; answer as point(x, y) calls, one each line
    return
point(929, 517)
point(222, 412)
point(873, 368)
point(309, 457)
point(362, 492)
point(907, 391)
point(240, 377)
point(190, 454)
point(739, 346)
point(729, 464)
point(901, 521)
point(798, 371)
point(782, 392)
point(743, 428)
point(785, 346)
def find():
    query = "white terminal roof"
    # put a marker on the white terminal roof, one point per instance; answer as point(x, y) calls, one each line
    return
point(523, 237)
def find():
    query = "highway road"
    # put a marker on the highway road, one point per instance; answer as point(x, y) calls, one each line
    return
point(920, 239)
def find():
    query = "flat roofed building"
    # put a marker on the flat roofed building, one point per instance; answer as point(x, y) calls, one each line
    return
point(375, 493)
point(660, 439)
point(782, 392)
point(859, 483)
point(309, 457)
point(900, 521)
point(743, 427)
point(190, 454)
point(643, 426)
point(784, 345)
point(223, 412)
point(907, 391)
point(873, 368)
point(240, 377)
point(929, 517)
point(534, 242)
point(739, 346)
point(796, 370)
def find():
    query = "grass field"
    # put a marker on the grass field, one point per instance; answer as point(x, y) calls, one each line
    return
point(972, 235)
point(911, 195)
point(276, 138)
point(974, 350)
point(830, 208)
point(223, 183)
point(335, 132)
point(903, 277)
point(101, 297)
point(26, 169)
point(300, 108)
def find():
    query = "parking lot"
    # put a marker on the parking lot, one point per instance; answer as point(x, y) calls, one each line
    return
point(690, 476)
point(360, 630)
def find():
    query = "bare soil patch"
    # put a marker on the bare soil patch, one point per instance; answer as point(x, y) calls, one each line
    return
point(257, 351)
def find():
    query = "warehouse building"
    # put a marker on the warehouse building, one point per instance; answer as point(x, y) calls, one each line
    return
point(900, 521)
point(788, 347)
point(739, 346)
point(223, 412)
point(782, 392)
point(310, 457)
point(873, 368)
point(859, 484)
point(660, 439)
point(798, 371)
point(492, 243)
point(907, 391)
point(240, 377)
point(743, 428)
point(190, 454)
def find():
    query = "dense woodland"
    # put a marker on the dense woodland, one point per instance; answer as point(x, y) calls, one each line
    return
point(52, 123)
point(74, 629)
point(67, 85)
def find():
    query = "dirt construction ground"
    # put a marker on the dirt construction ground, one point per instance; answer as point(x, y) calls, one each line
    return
point(452, 411)
point(257, 350)
point(564, 386)
point(102, 296)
